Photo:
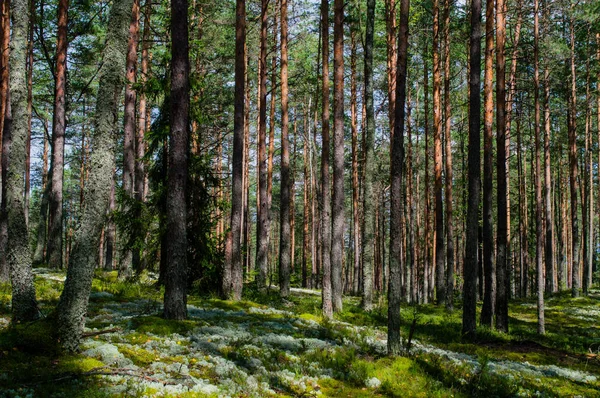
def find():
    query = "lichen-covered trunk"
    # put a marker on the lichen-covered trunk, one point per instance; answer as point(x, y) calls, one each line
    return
point(55, 200)
point(469, 323)
point(325, 178)
point(369, 198)
point(18, 253)
point(397, 167)
point(72, 305)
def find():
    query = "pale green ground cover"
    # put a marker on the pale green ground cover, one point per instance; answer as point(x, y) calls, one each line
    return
point(264, 347)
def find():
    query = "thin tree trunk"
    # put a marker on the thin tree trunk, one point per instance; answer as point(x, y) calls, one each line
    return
point(29, 110)
point(126, 261)
point(38, 256)
point(449, 174)
point(440, 280)
point(427, 251)
point(471, 246)
point(325, 184)
point(4, 65)
point(489, 298)
point(538, 177)
point(369, 198)
point(233, 289)
point(355, 186)
point(573, 171)
point(397, 166)
point(305, 199)
point(110, 232)
point(55, 229)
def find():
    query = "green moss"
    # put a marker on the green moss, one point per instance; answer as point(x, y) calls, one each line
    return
point(160, 326)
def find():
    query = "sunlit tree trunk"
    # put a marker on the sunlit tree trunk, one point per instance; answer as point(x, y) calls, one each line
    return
point(573, 167)
point(489, 298)
point(55, 227)
point(325, 178)
point(355, 187)
point(262, 225)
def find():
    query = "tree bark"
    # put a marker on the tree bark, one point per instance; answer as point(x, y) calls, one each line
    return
point(369, 196)
point(55, 228)
point(284, 205)
point(337, 239)
point(573, 167)
point(449, 174)
point(502, 258)
point(234, 291)
point(489, 298)
point(325, 178)
point(470, 265)
point(397, 166)
point(262, 225)
point(126, 266)
point(355, 186)
point(74, 298)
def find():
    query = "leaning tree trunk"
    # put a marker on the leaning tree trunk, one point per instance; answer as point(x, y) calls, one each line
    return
point(474, 163)
point(368, 229)
point(24, 305)
point(397, 166)
point(73, 302)
point(55, 228)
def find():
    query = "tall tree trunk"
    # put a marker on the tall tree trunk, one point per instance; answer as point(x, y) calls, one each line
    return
point(24, 305)
point(368, 229)
point(271, 153)
point(355, 186)
point(573, 170)
point(262, 224)
point(140, 146)
point(305, 199)
point(325, 178)
point(74, 298)
point(337, 238)
point(588, 195)
point(440, 280)
point(29, 110)
point(427, 215)
point(550, 287)
point(284, 205)
point(474, 163)
point(397, 166)
point(4, 65)
point(176, 271)
point(128, 258)
point(234, 290)
point(55, 228)
point(489, 298)
point(538, 177)
point(449, 174)
point(502, 258)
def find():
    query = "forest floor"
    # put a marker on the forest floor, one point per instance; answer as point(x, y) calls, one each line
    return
point(265, 346)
